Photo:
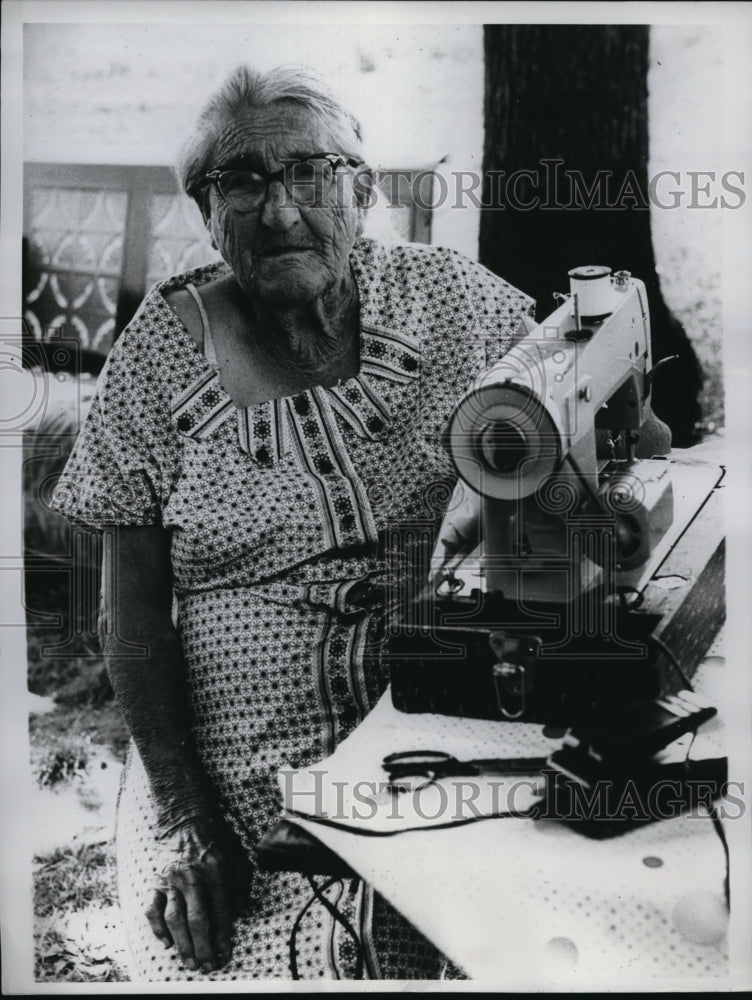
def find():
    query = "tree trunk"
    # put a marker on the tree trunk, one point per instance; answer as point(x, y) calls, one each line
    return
point(566, 122)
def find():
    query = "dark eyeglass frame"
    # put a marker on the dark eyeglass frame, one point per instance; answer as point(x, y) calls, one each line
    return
point(335, 160)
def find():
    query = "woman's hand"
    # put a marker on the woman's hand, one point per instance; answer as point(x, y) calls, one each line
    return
point(198, 893)
point(460, 533)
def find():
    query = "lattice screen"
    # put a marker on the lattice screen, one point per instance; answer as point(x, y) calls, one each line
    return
point(76, 259)
point(98, 237)
point(179, 240)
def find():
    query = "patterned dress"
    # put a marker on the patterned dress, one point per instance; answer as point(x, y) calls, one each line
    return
point(275, 512)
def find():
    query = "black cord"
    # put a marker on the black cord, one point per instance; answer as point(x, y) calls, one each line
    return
point(639, 598)
point(318, 896)
point(718, 825)
point(298, 921)
point(342, 919)
point(529, 813)
point(319, 890)
point(667, 652)
point(672, 660)
point(689, 748)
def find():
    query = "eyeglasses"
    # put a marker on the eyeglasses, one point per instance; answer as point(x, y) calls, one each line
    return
point(307, 181)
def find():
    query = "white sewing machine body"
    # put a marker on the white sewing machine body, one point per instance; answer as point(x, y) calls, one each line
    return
point(546, 437)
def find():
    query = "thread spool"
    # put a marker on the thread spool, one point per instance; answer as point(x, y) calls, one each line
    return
point(592, 286)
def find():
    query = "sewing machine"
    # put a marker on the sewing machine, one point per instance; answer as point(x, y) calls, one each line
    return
point(593, 587)
point(577, 504)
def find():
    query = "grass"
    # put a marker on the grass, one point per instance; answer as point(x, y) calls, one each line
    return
point(65, 879)
point(68, 882)
point(77, 935)
point(59, 760)
point(76, 922)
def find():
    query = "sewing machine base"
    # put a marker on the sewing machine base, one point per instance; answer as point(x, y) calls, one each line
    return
point(549, 676)
point(482, 657)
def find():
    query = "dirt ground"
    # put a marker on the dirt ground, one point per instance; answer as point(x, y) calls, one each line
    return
point(77, 759)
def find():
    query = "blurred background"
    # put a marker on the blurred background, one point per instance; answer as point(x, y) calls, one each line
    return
point(106, 108)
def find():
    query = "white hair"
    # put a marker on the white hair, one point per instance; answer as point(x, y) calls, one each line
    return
point(246, 89)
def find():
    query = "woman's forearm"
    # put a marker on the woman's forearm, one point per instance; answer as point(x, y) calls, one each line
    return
point(200, 867)
point(144, 661)
point(151, 693)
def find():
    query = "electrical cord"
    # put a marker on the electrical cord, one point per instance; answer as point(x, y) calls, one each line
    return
point(672, 660)
point(638, 601)
point(623, 592)
point(342, 919)
point(718, 826)
point(294, 972)
point(318, 896)
point(319, 890)
point(529, 813)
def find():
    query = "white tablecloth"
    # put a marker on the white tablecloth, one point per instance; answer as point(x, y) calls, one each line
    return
point(527, 903)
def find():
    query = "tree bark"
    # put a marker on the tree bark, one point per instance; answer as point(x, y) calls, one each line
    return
point(568, 104)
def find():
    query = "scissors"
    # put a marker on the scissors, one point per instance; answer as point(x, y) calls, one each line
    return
point(433, 765)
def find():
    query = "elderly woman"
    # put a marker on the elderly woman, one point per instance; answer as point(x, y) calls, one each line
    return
point(261, 432)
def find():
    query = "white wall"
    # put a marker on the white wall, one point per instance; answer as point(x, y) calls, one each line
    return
point(126, 93)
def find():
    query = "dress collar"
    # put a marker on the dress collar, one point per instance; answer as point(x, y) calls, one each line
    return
point(389, 353)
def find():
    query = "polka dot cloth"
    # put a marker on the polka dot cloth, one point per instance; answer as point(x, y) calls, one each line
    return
point(276, 511)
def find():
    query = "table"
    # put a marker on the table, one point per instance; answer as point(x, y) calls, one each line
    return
point(530, 902)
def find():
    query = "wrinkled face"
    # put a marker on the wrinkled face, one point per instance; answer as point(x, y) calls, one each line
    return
point(281, 251)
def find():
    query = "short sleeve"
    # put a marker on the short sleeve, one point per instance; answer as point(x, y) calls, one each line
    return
point(124, 458)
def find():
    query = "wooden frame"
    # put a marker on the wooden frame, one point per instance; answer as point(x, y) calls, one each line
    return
point(140, 183)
